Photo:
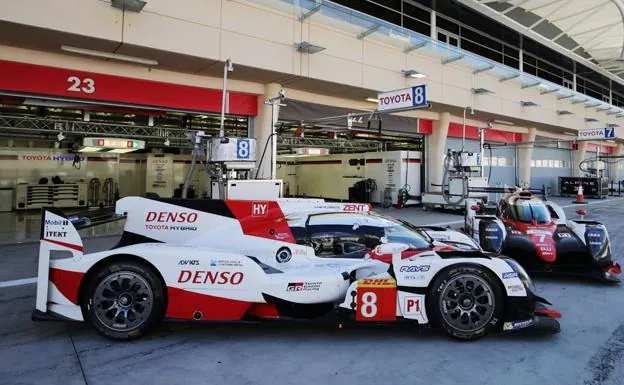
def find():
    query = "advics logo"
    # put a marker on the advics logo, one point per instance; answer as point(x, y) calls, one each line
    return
point(188, 262)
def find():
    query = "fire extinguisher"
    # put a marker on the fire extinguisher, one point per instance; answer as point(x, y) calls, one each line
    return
point(401, 197)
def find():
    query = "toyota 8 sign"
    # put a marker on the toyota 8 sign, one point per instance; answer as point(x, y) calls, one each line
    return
point(406, 98)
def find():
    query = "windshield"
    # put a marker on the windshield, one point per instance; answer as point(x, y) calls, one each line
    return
point(531, 211)
point(401, 234)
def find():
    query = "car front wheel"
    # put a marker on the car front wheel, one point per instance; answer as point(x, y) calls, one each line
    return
point(466, 302)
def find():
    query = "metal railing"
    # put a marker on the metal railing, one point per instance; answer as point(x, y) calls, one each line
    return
point(341, 145)
point(361, 25)
point(28, 125)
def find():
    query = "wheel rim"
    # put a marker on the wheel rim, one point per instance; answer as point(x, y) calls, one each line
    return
point(467, 303)
point(122, 301)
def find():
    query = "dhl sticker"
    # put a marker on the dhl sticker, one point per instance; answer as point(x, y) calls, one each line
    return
point(377, 282)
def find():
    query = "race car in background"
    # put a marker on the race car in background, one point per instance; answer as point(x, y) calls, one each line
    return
point(538, 235)
point(209, 260)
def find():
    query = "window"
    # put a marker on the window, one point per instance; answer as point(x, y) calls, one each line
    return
point(527, 212)
point(402, 234)
point(549, 163)
point(343, 241)
point(448, 38)
point(497, 161)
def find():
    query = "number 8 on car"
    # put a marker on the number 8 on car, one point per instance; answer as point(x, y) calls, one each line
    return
point(376, 299)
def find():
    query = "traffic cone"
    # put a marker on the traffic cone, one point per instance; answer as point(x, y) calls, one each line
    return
point(580, 198)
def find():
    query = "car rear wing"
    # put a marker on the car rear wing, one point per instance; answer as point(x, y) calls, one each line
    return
point(59, 238)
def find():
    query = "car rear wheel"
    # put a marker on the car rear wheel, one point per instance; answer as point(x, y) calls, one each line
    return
point(466, 302)
point(124, 300)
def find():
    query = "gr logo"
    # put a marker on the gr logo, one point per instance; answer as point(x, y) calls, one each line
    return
point(259, 209)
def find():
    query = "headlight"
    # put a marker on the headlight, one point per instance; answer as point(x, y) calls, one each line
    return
point(522, 274)
point(597, 241)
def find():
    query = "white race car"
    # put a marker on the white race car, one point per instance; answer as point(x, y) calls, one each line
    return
point(208, 260)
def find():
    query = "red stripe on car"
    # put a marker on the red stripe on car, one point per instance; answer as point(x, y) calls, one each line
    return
point(264, 310)
point(64, 244)
point(67, 282)
point(189, 305)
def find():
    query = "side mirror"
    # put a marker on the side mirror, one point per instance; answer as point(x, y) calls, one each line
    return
point(391, 248)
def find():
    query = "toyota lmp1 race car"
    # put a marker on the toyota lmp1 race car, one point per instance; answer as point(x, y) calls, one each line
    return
point(536, 233)
point(289, 259)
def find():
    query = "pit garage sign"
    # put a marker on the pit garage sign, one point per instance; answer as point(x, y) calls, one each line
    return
point(596, 134)
point(406, 98)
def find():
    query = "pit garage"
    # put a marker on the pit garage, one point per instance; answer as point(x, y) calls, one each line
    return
point(349, 155)
point(61, 148)
point(79, 141)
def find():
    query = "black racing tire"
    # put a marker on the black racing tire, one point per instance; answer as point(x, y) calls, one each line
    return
point(120, 283)
point(480, 304)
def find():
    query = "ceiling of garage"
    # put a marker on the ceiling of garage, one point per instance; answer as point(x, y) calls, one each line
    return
point(587, 29)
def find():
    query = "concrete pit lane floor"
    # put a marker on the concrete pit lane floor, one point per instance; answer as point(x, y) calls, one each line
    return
point(588, 351)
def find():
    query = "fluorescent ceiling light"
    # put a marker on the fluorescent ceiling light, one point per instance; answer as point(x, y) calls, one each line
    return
point(129, 5)
point(504, 122)
point(481, 90)
point(90, 149)
point(372, 100)
point(120, 150)
point(413, 74)
point(108, 55)
point(309, 48)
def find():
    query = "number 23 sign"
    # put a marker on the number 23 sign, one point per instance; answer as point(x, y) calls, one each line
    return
point(76, 84)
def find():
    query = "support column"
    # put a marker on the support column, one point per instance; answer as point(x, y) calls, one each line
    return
point(613, 167)
point(525, 154)
point(578, 156)
point(263, 129)
point(436, 151)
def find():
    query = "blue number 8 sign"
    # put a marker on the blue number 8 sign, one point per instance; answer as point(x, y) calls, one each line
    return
point(420, 95)
point(242, 149)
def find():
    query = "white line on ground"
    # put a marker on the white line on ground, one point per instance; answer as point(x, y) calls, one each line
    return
point(18, 282)
point(563, 207)
point(592, 203)
point(441, 224)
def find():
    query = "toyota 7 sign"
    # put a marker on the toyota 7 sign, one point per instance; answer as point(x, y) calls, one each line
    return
point(596, 134)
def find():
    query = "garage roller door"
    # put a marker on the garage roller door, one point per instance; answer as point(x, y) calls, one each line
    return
point(503, 161)
point(547, 165)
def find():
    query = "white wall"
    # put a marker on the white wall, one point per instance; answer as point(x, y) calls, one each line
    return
point(263, 37)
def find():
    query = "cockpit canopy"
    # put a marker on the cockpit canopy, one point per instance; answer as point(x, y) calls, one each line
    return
point(526, 211)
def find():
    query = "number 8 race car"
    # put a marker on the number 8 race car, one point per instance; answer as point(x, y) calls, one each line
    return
point(208, 260)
